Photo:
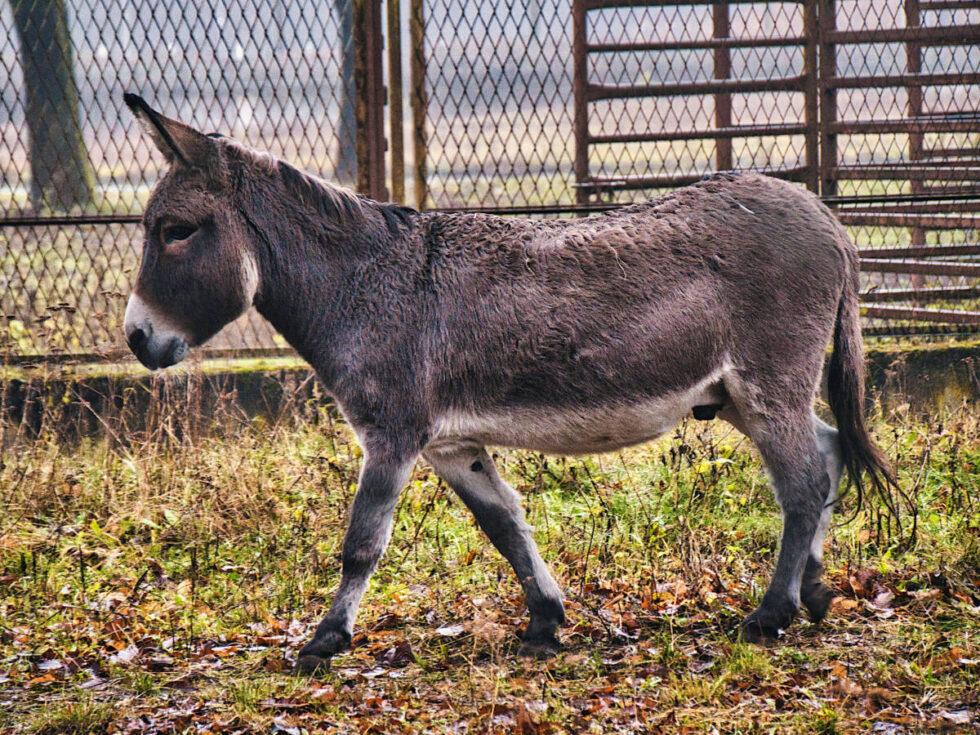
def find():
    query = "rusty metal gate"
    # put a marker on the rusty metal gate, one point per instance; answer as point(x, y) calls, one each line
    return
point(540, 108)
point(875, 106)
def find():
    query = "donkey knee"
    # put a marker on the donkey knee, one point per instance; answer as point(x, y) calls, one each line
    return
point(358, 560)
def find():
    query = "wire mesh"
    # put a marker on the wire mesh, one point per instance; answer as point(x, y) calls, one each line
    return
point(498, 118)
point(277, 75)
point(522, 107)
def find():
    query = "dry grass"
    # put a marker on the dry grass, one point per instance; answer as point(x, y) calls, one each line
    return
point(161, 580)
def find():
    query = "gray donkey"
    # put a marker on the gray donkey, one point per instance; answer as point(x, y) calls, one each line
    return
point(441, 334)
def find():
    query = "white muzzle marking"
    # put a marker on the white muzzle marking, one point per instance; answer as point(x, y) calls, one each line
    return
point(152, 337)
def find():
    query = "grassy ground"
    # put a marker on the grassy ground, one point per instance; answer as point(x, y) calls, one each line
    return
point(164, 584)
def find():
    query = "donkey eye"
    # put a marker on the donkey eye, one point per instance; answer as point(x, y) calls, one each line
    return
point(173, 234)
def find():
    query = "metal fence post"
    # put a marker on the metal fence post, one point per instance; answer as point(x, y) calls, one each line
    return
point(811, 108)
point(723, 100)
point(580, 85)
point(395, 115)
point(827, 22)
point(420, 100)
point(369, 81)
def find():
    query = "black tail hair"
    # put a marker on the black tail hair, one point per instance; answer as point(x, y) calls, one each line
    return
point(846, 392)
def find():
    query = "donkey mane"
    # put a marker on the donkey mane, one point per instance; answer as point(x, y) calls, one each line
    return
point(336, 202)
point(327, 199)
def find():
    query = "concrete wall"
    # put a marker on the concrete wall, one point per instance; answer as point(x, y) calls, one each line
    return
point(927, 378)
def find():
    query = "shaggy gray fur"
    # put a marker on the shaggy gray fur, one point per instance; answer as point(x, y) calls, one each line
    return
point(439, 334)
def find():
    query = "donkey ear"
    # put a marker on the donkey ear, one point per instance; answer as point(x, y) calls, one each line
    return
point(178, 142)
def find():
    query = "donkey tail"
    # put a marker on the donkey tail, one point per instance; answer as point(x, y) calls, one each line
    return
point(846, 375)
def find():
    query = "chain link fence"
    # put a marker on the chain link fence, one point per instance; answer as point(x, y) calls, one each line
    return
point(275, 74)
point(544, 107)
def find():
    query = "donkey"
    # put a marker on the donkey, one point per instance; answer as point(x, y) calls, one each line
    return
point(440, 334)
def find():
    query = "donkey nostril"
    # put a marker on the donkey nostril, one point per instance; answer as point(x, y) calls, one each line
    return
point(136, 338)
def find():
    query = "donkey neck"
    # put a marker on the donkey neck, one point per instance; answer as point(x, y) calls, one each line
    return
point(328, 267)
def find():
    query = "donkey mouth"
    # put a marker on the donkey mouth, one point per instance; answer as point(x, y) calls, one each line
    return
point(156, 353)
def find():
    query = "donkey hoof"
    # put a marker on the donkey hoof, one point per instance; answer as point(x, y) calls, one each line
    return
point(816, 598)
point(764, 625)
point(539, 648)
point(314, 657)
point(311, 666)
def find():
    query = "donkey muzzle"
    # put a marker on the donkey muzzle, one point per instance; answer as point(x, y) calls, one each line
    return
point(155, 340)
point(152, 351)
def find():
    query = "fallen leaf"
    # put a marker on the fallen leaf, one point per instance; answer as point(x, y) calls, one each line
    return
point(882, 597)
point(283, 704)
point(324, 694)
point(959, 717)
point(43, 679)
point(398, 655)
point(450, 631)
point(862, 582)
point(847, 688)
point(125, 656)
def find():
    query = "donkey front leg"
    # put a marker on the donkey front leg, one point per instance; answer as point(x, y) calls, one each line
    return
point(470, 472)
point(368, 532)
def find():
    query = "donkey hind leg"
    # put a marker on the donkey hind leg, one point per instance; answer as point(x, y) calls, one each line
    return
point(368, 532)
point(470, 472)
point(814, 594)
point(798, 471)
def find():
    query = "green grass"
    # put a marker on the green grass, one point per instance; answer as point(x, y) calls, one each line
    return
point(165, 583)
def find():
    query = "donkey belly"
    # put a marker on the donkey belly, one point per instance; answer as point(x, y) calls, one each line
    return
point(559, 430)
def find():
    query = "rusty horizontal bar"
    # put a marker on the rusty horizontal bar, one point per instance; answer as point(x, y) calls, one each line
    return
point(61, 221)
point(859, 127)
point(731, 86)
point(900, 80)
point(605, 4)
point(968, 152)
point(921, 267)
point(696, 44)
point(947, 35)
point(943, 195)
point(920, 330)
point(942, 316)
point(947, 207)
point(736, 131)
point(950, 114)
point(951, 293)
point(925, 221)
point(657, 182)
point(909, 172)
point(948, 5)
point(78, 219)
point(959, 192)
point(923, 251)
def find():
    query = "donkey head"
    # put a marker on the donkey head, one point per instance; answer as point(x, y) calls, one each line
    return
point(200, 268)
